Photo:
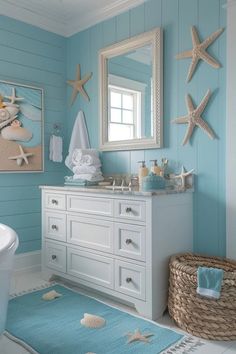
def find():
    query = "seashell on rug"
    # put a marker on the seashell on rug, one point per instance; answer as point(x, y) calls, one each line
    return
point(92, 321)
point(51, 295)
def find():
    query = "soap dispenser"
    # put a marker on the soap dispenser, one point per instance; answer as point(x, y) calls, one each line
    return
point(155, 168)
point(143, 171)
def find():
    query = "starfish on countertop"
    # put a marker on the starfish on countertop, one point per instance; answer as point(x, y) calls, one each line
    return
point(138, 336)
point(199, 51)
point(13, 97)
point(183, 174)
point(193, 118)
point(77, 85)
point(22, 156)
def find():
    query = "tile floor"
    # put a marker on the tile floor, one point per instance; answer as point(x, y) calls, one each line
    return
point(30, 280)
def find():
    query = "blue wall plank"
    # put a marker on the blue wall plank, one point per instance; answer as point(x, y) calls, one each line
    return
point(205, 156)
point(35, 57)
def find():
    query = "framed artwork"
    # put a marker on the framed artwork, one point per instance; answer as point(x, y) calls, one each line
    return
point(21, 128)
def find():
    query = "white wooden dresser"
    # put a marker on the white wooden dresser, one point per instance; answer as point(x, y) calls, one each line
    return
point(118, 243)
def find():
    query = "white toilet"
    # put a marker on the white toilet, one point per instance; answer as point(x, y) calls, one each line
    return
point(8, 245)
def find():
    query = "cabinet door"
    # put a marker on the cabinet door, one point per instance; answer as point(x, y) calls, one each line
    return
point(90, 267)
point(130, 210)
point(130, 279)
point(92, 233)
point(55, 256)
point(55, 226)
point(129, 241)
point(90, 205)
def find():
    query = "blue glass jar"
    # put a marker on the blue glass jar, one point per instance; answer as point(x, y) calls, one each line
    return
point(153, 181)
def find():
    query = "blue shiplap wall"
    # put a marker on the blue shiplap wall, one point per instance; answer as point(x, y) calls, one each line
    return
point(207, 157)
point(36, 57)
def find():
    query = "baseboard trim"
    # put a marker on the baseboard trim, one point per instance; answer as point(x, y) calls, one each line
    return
point(27, 262)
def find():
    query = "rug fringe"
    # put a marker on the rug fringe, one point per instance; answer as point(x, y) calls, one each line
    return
point(184, 346)
point(20, 342)
point(31, 290)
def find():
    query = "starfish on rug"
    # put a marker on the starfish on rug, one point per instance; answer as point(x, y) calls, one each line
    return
point(138, 336)
point(193, 118)
point(199, 51)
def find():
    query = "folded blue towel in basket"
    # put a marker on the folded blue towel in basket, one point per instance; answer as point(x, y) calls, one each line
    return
point(209, 282)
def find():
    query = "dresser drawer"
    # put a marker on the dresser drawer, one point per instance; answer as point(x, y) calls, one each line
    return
point(90, 205)
point(90, 267)
point(55, 256)
point(55, 201)
point(55, 226)
point(130, 279)
point(90, 232)
point(130, 210)
point(130, 241)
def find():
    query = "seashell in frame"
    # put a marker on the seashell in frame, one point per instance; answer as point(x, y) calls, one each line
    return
point(16, 133)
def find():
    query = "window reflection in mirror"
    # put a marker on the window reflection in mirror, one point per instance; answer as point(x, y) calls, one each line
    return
point(130, 113)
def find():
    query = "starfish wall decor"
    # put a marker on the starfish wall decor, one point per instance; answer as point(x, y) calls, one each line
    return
point(78, 84)
point(199, 51)
point(13, 98)
point(23, 156)
point(193, 118)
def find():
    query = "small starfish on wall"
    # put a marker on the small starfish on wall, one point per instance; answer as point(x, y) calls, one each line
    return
point(193, 118)
point(23, 156)
point(183, 175)
point(78, 84)
point(138, 336)
point(199, 51)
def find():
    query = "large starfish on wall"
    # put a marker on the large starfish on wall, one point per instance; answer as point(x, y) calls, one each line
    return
point(199, 51)
point(193, 118)
point(78, 84)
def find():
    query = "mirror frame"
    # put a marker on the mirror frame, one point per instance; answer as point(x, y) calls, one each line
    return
point(154, 38)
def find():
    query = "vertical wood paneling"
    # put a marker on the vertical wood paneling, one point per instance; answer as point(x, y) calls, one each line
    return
point(122, 26)
point(36, 57)
point(208, 232)
point(222, 133)
point(207, 157)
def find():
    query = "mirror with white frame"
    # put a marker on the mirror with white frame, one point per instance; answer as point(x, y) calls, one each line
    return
point(130, 88)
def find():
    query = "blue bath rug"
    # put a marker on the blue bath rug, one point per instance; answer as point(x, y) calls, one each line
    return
point(53, 327)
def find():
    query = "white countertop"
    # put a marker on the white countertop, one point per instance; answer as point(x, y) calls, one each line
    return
point(102, 190)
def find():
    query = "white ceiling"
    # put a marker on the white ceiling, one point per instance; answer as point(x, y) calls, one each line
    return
point(64, 17)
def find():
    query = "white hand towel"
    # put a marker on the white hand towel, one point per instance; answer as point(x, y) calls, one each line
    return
point(79, 138)
point(55, 149)
point(85, 157)
point(86, 169)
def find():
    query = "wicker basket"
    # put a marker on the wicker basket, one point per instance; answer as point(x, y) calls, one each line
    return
point(200, 316)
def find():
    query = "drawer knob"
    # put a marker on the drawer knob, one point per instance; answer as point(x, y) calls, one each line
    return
point(54, 227)
point(54, 201)
point(128, 241)
point(128, 280)
point(54, 257)
point(128, 210)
